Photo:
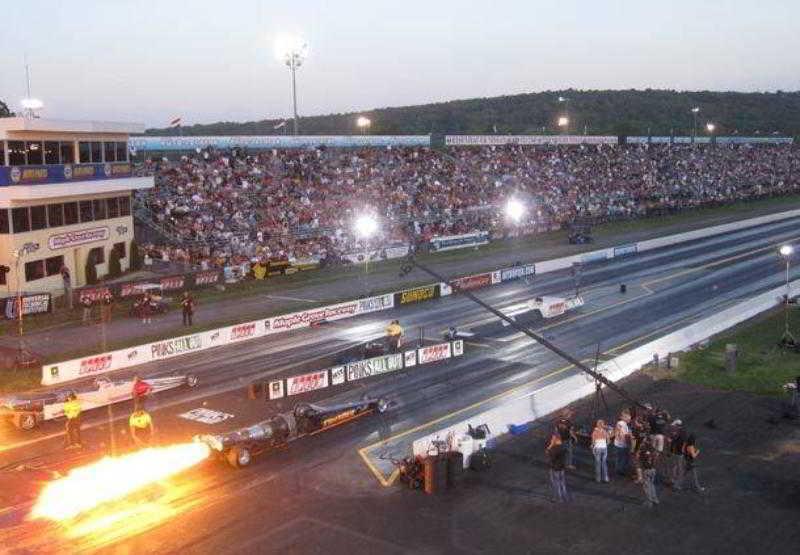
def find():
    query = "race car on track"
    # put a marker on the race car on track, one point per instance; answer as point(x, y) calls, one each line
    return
point(239, 447)
point(545, 307)
point(26, 411)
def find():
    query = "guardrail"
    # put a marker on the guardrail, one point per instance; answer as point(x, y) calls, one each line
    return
point(531, 405)
point(362, 369)
point(107, 362)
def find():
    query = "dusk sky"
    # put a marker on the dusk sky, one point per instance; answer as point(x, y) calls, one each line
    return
point(151, 60)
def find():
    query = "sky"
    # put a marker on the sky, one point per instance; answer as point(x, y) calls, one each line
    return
point(149, 61)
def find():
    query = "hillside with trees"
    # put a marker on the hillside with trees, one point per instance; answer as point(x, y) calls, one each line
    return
point(613, 112)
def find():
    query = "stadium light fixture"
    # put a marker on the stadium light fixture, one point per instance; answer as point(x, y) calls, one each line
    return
point(563, 121)
point(292, 51)
point(32, 104)
point(710, 127)
point(786, 250)
point(515, 210)
point(365, 226)
point(363, 123)
point(695, 110)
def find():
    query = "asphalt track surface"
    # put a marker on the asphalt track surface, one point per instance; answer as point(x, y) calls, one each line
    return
point(215, 508)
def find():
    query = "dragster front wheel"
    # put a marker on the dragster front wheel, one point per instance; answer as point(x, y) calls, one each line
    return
point(239, 457)
point(191, 380)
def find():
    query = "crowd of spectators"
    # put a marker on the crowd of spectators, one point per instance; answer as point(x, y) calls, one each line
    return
point(229, 207)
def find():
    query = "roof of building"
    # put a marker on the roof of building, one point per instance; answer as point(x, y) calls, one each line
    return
point(68, 126)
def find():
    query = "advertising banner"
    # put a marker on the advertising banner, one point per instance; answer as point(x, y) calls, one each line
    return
point(307, 382)
point(337, 375)
point(451, 242)
point(74, 238)
point(275, 389)
point(471, 282)
point(172, 283)
point(376, 255)
point(458, 348)
point(433, 353)
point(595, 256)
point(176, 346)
point(410, 359)
point(498, 140)
point(625, 250)
point(209, 277)
point(517, 272)
point(55, 173)
point(38, 303)
point(418, 294)
point(305, 318)
point(240, 332)
point(496, 277)
point(374, 366)
point(275, 141)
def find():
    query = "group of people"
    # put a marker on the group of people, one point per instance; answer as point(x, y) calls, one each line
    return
point(105, 302)
point(226, 208)
point(140, 423)
point(646, 445)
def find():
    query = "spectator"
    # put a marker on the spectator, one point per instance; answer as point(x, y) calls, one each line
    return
point(622, 444)
point(566, 431)
point(557, 456)
point(106, 306)
point(647, 462)
point(676, 445)
point(690, 453)
point(86, 303)
point(600, 451)
point(66, 279)
point(187, 307)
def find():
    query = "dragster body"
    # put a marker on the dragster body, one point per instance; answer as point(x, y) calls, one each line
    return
point(239, 447)
point(26, 411)
point(545, 307)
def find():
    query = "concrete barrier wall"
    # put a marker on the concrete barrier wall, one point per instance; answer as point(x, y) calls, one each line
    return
point(531, 405)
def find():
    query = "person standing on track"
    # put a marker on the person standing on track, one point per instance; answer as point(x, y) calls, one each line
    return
point(86, 304)
point(187, 306)
point(557, 456)
point(600, 451)
point(141, 428)
point(140, 390)
point(72, 410)
point(394, 335)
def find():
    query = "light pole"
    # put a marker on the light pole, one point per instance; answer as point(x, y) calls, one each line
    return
point(787, 339)
point(710, 128)
point(563, 119)
point(363, 123)
point(292, 51)
point(695, 111)
point(365, 227)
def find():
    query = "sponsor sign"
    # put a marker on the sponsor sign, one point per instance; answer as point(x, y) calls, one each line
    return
point(337, 375)
point(410, 358)
point(517, 272)
point(305, 318)
point(54, 173)
point(376, 255)
point(276, 389)
point(177, 346)
point(31, 304)
point(95, 365)
point(471, 282)
point(374, 366)
point(274, 141)
point(417, 294)
point(434, 353)
point(242, 331)
point(307, 382)
point(206, 416)
point(496, 277)
point(458, 348)
point(206, 278)
point(450, 242)
point(172, 282)
point(625, 250)
point(477, 140)
point(595, 256)
point(373, 304)
point(445, 289)
point(339, 418)
point(75, 238)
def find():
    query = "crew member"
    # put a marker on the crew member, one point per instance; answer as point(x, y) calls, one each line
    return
point(140, 390)
point(86, 303)
point(394, 334)
point(72, 410)
point(106, 306)
point(141, 427)
point(187, 304)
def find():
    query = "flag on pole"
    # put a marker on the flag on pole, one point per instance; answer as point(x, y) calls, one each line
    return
point(175, 123)
point(281, 124)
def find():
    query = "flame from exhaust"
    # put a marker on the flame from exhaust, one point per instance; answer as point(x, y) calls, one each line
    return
point(112, 478)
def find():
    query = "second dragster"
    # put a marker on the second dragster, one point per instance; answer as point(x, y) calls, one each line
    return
point(239, 447)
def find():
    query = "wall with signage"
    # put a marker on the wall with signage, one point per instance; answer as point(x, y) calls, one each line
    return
point(33, 175)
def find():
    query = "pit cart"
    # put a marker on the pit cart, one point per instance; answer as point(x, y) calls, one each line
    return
point(27, 411)
point(240, 446)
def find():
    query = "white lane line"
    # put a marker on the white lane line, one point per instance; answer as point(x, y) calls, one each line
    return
point(298, 299)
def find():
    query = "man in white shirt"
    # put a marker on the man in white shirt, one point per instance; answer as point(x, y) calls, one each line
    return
point(622, 444)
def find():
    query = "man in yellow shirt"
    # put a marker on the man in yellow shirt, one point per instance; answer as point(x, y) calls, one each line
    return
point(394, 333)
point(141, 427)
point(72, 410)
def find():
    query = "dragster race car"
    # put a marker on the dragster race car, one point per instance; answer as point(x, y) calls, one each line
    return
point(239, 447)
point(547, 307)
point(28, 410)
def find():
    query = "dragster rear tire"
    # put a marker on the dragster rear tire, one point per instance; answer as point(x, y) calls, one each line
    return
point(239, 457)
point(26, 421)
